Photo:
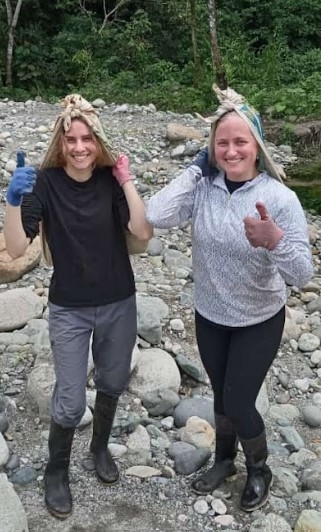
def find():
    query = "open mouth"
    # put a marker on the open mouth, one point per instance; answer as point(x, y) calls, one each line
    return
point(233, 161)
point(80, 158)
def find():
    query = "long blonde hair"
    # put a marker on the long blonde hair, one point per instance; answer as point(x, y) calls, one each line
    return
point(75, 108)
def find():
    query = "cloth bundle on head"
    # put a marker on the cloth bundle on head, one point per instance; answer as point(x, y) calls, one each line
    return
point(75, 106)
point(232, 101)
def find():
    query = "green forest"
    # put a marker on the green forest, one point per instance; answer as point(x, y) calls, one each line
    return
point(159, 51)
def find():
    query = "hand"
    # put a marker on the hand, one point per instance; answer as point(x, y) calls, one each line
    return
point(201, 159)
point(262, 232)
point(22, 181)
point(121, 170)
point(204, 164)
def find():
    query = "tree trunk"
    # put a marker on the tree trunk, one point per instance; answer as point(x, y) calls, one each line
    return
point(196, 55)
point(12, 23)
point(216, 56)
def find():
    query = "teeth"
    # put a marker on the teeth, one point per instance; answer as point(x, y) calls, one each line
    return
point(80, 158)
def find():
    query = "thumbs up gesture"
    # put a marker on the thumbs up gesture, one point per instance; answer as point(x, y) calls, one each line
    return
point(22, 181)
point(262, 232)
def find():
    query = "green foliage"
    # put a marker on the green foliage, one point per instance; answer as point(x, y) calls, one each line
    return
point(306, 182)
point(144, 52)
point(301, 100)
point(309, 196)
point(28, 69)
point(306, 172)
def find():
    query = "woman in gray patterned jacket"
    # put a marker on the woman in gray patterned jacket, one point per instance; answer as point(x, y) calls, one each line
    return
point(249, 240)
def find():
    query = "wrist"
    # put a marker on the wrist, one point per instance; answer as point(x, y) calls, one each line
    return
point(279, 233)
point(13, 199)
point(126, 179)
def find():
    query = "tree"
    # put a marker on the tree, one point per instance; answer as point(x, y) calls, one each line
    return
point(12, 17)
point(196, 54)
point(107, 14)
point(215, 50)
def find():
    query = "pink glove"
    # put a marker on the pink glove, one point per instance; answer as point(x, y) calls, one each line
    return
point(263, 232)
point(121, 170)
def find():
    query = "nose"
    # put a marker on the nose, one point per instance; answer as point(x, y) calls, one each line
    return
point(79, 145)
point(231, 149)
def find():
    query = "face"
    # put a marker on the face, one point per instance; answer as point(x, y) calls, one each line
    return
point(235, 148)
point(79, 150)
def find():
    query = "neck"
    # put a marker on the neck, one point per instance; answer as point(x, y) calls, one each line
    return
point(79, 175)
point(242, 178)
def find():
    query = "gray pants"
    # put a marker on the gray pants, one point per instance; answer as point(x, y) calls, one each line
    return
point(113, 328)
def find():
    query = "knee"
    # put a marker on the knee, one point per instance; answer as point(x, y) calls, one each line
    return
point(233, 410)
point(112, 389)
point(70, 413)
point(112, 385)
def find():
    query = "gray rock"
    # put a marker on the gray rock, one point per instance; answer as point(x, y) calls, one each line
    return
point(311, 477)
point(270, 523)
point(292, 438)
point(190, 461)
point(312, 416)
point(13, 517)
point(17, 307)
point(24, 476)
point(160, 402)
point(202, 407)
point(309, 521)
point(4, 423)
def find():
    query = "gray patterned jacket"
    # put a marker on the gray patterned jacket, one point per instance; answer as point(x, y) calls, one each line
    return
point(236, 284)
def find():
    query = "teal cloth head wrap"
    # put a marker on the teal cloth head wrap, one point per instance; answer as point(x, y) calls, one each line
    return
point(232, 101)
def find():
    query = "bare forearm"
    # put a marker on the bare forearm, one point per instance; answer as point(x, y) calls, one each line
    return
point(14, 235)
point(137, 219)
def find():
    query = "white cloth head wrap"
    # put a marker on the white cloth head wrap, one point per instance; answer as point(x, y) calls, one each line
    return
point(75, 106)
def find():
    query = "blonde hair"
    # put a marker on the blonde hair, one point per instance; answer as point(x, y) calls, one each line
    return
point(232, 101)
point(76, 108)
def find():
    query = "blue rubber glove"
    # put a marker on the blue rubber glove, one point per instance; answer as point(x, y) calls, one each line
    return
point(202, 161)
point(22, 181)
point(20, 159)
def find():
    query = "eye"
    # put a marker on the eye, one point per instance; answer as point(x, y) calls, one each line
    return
point(221, 143)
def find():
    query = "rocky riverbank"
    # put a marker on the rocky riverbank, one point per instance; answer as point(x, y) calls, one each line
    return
point(164, 429)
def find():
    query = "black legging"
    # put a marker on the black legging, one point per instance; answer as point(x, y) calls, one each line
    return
point(236, 360)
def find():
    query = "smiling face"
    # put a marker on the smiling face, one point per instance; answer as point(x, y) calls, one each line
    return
point(235, 148)
point(80, 151)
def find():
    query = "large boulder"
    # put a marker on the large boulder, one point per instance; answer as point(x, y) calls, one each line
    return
point(13, 269)
point(17, 307)
point(155, 370)
point(13, 517)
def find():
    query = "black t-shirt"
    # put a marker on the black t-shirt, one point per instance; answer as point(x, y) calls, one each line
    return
point(84, 224)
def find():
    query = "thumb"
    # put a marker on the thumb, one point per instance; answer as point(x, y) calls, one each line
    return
point(20, 159)
point(262, 210)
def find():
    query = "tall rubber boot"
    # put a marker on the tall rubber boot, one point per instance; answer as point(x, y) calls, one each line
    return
point(57, 492)
point(225, 453)
point(104, 413)
point(259, 475)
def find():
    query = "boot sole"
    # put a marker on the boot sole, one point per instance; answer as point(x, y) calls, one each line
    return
point(101, 479)
point(105, 483)
point(59, 515)
point(205, 492)
point(262, 503)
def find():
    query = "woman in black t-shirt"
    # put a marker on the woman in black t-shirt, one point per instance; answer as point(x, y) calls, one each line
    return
point(81, 202)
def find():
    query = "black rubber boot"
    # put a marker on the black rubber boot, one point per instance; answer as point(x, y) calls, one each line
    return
point(104, 413)
point(57, 492)
point(225, 453)
point(259, 475)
